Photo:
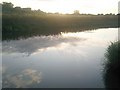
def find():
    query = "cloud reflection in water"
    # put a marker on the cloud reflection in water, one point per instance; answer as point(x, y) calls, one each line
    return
point(26, 78)
point(31, 45)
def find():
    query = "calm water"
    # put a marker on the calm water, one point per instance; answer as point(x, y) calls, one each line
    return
point(72, 60)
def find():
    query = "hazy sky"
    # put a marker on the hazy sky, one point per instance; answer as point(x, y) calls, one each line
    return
point(68, 6)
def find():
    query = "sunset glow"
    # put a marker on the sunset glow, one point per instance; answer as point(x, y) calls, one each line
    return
point(68, 6)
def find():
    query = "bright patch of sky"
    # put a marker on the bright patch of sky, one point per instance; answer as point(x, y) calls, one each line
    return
point(68, 6)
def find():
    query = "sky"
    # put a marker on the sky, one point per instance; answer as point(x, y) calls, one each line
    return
point(68, 6)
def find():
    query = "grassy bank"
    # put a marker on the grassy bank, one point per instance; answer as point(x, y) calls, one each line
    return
point(30, 25)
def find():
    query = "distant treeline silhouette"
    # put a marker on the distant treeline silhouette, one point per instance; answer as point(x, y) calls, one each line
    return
point(24, 22)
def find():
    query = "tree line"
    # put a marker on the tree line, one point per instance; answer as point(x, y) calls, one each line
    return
point(8, 8)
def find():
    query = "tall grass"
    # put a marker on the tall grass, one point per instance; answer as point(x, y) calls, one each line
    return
point(113, 55)
point(112, 66)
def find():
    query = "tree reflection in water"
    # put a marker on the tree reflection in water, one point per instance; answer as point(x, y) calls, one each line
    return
point(112, 66)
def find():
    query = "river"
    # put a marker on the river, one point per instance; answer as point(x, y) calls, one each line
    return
point(66, 60)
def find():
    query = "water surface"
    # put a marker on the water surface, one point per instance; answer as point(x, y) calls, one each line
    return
point(67, 60)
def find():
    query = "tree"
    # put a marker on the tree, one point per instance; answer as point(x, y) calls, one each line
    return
point(7, 7)
point(76, 12)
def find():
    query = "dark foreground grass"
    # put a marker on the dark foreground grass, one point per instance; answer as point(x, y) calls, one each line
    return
point(112, 66)
point(112, 54)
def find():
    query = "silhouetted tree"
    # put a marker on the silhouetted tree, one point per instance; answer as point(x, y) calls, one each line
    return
point(7, 7)
point(76, 12)
point(100, 14)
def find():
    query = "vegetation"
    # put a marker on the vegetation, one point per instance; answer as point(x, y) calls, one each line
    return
point(112, 66)
point(24, 22)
